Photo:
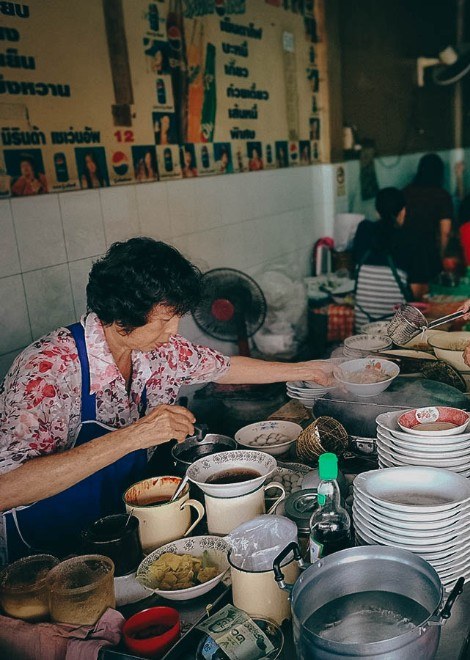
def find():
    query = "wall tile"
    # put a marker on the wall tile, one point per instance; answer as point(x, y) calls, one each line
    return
point(153, 210)
point(119, 208)
point(15, 331)
point(6, 360)
point(208, 205)
point(79, 271)
point(181, 202)
point(83, 224)
point(49, 299)
point(9, 259)
point(39, 231)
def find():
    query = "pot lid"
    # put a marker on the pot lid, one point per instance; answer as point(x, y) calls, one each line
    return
point(299, 507)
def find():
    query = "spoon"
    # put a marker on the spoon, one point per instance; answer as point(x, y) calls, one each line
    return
point(179, 489)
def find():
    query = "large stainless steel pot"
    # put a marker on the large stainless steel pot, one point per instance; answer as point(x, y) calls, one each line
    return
point(365, 569)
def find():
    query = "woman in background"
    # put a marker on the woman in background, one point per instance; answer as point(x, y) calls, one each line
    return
point(91, 175)
point(430, 210)
point(389, 271)
point(31, 182)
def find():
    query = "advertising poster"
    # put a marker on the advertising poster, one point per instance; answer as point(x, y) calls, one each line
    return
point(108, 92)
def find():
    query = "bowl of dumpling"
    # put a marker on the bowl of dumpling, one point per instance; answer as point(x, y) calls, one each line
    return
point(186, 568)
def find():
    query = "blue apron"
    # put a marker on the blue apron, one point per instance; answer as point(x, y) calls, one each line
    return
point(53, 525)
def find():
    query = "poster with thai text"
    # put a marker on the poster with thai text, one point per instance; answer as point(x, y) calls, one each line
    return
point(108, 92)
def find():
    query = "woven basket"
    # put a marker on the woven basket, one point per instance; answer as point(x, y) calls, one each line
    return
point(325, 434)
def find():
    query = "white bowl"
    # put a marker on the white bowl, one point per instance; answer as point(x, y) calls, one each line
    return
point(257, 436)
point(195, 546)
point(366, 389)
point(414, 489)
point(377, 328)
point(258, 461)
point(449, 346)
point(368, 343)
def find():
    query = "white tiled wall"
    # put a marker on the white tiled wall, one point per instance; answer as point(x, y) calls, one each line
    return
point(243, 221)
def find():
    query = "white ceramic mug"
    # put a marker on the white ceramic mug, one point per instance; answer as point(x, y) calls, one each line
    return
point(226, 513)
point(161, 522)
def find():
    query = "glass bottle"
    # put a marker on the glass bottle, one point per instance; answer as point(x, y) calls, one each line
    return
point(330, 524)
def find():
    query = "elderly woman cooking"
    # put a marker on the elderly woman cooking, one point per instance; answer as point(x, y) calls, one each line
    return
point(82, 408)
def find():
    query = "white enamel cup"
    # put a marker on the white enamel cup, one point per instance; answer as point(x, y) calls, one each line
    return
point(226, 513)
point(161, 522)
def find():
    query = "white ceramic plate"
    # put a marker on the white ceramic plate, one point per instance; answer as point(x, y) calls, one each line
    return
point(241, 459)
point(416, 458)
point(389, 423)
point(253, 435)
point(435, 450)
point(389, 461)
point(216, 547)
point(457, 510)
point(427, 552)
point(414, 488)
point(419, 540)
point(455, 524)
point(406, 353)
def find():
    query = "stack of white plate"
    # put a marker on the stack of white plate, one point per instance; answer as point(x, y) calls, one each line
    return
point(306, 392)
point(359, 346)
point(421, 509)
point(396, 448)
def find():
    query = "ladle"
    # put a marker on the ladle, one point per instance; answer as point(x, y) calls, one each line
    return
point(179, 489)
point(408, 322)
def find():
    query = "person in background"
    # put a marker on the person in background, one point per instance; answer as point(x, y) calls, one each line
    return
point(255, 163)
point(31, 182)
point(146, 168)
point(83, 408)
point(188, 169)
point(91, 175)
point(464, 228)
point(388, 269)
point(430, 210)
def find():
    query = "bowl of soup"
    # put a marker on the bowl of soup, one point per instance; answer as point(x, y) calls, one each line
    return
point(367, 376)
point(232, 473)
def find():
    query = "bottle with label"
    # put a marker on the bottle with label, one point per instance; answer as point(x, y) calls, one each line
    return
point(330, 524)
point(161, 91)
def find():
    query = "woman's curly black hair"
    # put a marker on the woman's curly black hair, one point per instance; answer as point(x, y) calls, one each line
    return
point(136, 275)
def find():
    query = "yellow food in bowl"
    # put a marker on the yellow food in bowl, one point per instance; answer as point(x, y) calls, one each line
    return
point(171, 571)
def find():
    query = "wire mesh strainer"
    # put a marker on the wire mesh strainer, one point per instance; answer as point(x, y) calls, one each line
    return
point(408, 322)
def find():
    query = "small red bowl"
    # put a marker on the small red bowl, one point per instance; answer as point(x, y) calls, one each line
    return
point(415, 421)
point(155, 645)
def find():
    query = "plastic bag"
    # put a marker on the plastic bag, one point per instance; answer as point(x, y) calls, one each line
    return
point(257, 543)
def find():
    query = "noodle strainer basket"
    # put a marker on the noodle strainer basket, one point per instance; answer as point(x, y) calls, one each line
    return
point(408, 322)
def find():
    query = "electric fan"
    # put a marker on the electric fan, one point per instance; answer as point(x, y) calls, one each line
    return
point(232, 307)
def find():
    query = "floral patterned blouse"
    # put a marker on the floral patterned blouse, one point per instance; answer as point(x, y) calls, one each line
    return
point(40, 397)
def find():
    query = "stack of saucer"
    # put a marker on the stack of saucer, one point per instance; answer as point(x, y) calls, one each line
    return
point(421, 509)
point(306, 391)
point(396, 447)
point(359, 346)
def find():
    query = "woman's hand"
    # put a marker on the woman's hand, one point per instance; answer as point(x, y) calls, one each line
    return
point(162, 424)
point(318, 372)
point(465, 308)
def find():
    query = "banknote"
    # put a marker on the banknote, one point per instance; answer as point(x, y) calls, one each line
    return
point(236, 634)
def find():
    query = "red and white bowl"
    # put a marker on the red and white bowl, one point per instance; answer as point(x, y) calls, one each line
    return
point(415, 421)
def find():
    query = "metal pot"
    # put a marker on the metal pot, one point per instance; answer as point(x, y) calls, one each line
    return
point(367, 569)
point(188, 451)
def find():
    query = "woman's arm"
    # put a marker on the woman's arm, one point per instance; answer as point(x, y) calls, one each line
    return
point(445, 228)
point(244, 370)
point(45, 476)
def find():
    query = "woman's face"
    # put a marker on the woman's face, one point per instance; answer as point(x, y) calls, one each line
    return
point(26, 169)
point(90, 164)
point(165, 122)
point(161, 325)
